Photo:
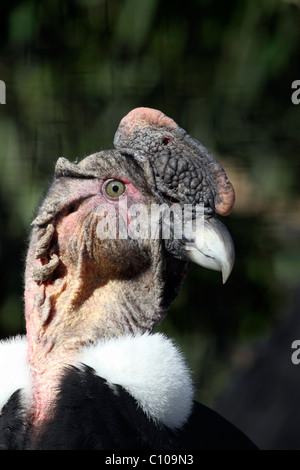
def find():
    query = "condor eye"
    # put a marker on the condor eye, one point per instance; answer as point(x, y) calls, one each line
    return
point(115, 188)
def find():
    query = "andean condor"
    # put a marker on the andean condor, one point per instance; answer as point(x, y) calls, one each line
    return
point(91, 373)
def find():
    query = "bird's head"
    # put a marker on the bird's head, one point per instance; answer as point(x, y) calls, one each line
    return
point(114, 235)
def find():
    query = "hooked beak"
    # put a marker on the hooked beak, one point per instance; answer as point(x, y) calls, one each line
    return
point(211, 247)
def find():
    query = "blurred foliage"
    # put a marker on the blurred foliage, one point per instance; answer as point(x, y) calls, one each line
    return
point(223, 71)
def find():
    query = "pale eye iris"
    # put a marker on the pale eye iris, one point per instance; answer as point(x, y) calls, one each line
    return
point(115, 188)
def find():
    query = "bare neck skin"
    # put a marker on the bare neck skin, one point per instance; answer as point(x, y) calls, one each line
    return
point(89, 290)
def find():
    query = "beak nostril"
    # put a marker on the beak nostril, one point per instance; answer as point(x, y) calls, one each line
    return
point(166, 140)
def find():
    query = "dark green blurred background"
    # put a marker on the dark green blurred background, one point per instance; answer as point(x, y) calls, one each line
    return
point(223, 70)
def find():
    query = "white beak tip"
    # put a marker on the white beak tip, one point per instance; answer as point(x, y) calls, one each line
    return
point(225, 275)
point(213, 248)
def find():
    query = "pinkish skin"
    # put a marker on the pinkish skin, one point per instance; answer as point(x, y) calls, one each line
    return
point(145, 117)
point(46, 357)
point(226, 195)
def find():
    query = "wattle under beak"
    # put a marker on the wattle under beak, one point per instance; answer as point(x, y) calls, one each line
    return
point(211, 246)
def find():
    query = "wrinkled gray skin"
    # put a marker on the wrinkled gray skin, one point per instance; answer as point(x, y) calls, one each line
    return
point(179, 177)
point(184, 172)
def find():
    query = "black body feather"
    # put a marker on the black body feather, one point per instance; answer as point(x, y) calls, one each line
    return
point(91, 414)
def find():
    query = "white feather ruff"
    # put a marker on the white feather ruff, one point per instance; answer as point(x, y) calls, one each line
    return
point(151, 368)
point(14, 369)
